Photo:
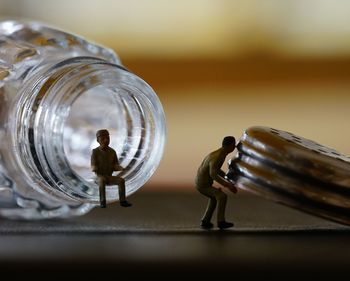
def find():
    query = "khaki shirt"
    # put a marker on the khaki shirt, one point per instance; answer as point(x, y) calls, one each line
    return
point(105, 161)
point(210, 169)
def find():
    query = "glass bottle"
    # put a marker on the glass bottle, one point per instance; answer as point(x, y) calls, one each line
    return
point(56, 91)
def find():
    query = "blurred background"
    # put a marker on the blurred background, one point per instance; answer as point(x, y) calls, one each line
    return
point(221, 66)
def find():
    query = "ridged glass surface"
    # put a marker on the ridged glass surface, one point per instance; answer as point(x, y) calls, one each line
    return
point(56, 91)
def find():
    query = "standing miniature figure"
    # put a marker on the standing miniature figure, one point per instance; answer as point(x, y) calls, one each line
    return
point(210, 171)
point(104, 161)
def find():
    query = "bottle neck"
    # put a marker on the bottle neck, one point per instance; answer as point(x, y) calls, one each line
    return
point(62, 108)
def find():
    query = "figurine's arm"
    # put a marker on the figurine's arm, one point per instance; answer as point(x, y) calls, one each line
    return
point(222, 173)
point(219, 176)
point(215, 173)
point(116, 166)
point(93, 162)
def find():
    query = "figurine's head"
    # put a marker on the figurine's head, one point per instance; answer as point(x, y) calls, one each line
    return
point(102, 137)
point(229, 144)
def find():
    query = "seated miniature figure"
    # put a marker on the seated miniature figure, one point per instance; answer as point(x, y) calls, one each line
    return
point(104, 162)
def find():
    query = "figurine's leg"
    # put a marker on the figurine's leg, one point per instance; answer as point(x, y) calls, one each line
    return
point(208, 192)
point(222, 199)
point(210, 210)
point(102, 181)
point(121, 188)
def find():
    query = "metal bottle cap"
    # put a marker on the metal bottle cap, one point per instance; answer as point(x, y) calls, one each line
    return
point(294, 171)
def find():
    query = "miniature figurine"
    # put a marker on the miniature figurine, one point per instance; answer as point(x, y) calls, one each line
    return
point(210, 171)
point(104, 161)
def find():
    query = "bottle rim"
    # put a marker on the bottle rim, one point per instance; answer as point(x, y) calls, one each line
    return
point(45, 108)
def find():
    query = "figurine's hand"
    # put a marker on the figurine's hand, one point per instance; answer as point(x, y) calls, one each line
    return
point(118, 168)
point(233, 189)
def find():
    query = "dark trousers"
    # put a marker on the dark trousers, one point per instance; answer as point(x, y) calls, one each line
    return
point(215, 195)
point(111, 180)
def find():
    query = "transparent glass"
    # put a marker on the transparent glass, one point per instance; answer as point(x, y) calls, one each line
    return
point(56, 91)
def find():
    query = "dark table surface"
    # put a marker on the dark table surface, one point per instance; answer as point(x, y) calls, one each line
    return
point(159, 238)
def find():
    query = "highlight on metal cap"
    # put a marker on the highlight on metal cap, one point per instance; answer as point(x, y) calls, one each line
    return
point(293, 171)
point(102, 132)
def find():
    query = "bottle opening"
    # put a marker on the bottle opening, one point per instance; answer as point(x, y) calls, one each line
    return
point(71, 106)
point(95, 109)
point(120, 112)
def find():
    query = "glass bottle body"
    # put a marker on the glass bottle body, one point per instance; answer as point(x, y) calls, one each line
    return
point(56, 91)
